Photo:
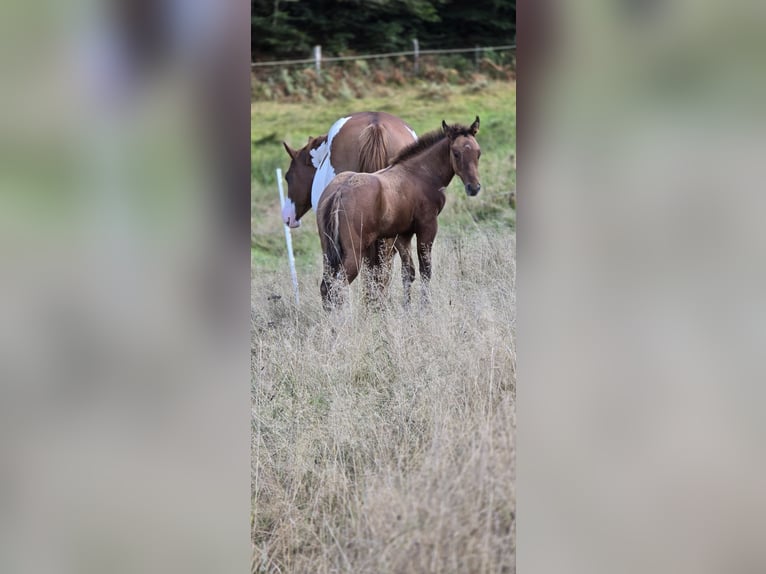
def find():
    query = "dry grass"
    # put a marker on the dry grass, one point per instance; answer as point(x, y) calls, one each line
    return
point(383, 440)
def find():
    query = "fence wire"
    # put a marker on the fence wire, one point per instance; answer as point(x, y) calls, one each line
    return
point(385, 55)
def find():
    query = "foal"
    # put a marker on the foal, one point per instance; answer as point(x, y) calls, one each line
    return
point(402, 200)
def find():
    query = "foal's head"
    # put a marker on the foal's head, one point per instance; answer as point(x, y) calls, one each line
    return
point(465, 153)
point(299, 177)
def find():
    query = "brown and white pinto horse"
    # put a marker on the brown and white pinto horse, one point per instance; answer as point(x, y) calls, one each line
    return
point(361, 142)
point(358, 209)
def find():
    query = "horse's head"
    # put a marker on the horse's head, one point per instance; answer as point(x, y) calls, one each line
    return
point(465, 153)
point(299, 177)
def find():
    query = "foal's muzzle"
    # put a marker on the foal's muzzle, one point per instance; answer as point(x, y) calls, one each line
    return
point(471, 190)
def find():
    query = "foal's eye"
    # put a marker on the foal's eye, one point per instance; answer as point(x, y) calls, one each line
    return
point(456, 154)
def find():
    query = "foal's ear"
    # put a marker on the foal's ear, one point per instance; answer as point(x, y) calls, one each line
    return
point(290, 151)
point(475, 126)
point(445, 127)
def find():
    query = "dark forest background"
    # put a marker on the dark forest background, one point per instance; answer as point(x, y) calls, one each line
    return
point(290, 28)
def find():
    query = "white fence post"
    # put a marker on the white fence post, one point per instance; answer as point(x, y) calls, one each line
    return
point(416, 49)
point(288, 238)
point(318, 57)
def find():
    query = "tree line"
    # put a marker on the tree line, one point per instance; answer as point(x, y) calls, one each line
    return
point(290, 28)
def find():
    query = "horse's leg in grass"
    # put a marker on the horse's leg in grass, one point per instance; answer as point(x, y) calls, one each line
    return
point(401, 246)
point(326, 289)
point(335, 279)
point(351, 265)
point(369, 274)
point(331, 278)
point(408, 266)
point(335, 282)
point(378, 256)
point(426, 238)
point(385, 264)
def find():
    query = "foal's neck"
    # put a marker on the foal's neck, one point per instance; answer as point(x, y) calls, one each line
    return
point(436, 162)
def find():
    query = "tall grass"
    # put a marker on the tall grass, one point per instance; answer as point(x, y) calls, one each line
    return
point(383, 440)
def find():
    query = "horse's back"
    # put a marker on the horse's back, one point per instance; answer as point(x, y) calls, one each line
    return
point(394, 134)
point(360, 142)
point(352, 181)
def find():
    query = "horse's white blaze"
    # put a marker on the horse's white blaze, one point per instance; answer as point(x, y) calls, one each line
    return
point(414, 135)
point(325, 170)
point(288, 214)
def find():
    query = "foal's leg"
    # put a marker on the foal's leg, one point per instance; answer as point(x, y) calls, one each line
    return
point(384, 264)
point(402, 247)
point(425, 243)
point(336, 278)
point(379, 257)
point(369, 265)
point(335, 282)
point(331, 279)
point(351, 264)
point(408, 266)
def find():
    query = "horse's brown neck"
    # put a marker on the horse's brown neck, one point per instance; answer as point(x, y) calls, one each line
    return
point(435, 161)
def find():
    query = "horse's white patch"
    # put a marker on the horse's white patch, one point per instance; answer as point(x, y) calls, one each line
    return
point(414, 135)
point(325, 170)
point(322, 178)
point(288, 214)
point(318, 154)
point(335, 128)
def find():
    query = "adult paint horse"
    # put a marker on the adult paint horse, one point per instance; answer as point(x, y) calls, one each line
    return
point(358, 209)
point(361, 142)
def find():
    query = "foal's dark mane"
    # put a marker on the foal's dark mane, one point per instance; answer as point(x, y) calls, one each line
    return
point(427, 140)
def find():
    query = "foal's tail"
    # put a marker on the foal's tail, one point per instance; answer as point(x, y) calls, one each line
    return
point(372, 149)
point(329, 229)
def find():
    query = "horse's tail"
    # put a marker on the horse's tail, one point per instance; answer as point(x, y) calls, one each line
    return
point(330, 230)
point(372, 149)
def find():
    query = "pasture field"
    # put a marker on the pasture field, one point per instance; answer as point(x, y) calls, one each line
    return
point(384, 439)
point(423, 107)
